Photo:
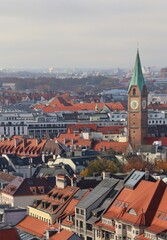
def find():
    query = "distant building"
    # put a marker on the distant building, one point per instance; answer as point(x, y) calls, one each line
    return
point(8, 86)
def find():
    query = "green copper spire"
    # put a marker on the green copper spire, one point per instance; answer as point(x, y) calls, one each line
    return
point(137, 78)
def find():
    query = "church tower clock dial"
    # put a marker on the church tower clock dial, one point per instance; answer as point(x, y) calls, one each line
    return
point(134, 104)
point(137, 107)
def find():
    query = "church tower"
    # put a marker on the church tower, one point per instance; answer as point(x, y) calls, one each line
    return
point(137, 107)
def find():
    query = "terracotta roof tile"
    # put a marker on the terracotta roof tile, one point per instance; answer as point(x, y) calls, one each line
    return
point(159, 223)
point(22, 147)
point(33, 226)
point(64, 235)
point(61, 104)
point(120, 147)
point(111, 129)
point(142, 201)
point(70, 139)
point(141, 237)
point(56, 199)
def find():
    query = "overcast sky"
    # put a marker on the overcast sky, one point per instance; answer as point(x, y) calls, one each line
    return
point(82, 33)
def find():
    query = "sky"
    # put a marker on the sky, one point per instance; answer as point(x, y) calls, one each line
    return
point(82, 33)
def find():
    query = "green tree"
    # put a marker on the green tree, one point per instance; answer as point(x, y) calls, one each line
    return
point(98, 166)
point(161, 165)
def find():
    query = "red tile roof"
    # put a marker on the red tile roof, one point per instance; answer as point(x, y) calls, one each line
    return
point(33, 226)
point(159, 223)
point(70, 210)
point(9, 234)
point(119, 147)
point(111, 129)
point(141, 237)
point(57, 197)
point(142, 201)
point(64, 235)
point(22, 147)
point(61, 104)
point(71, 139)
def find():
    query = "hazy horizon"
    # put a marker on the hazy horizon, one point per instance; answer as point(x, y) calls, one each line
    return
point(82, 34)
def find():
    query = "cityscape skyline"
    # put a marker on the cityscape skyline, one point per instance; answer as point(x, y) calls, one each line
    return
point(85, 34)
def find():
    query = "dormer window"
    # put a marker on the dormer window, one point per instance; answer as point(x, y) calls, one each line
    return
point(65, 198)
point(54, 195)
point(132, 211)
point(41, 189)
point(33, 189)
point(59, 196)
point(49, 194)
point(54, 207)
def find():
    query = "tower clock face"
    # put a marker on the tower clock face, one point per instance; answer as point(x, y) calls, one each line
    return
point(144, 104)
point(134, 104)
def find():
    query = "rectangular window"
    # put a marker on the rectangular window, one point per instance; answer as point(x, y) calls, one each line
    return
point(81, 224)
point(77, 210)
point(82, 212)
point(1, 217)
point(124, 226)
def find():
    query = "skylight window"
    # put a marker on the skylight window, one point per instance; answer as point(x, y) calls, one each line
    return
point(162, 215)
point(119, 203)
point(115, 204)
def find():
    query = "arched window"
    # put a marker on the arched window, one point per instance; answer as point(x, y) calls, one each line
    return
point(134, 91)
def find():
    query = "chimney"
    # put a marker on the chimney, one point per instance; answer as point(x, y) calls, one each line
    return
point(61, 181)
